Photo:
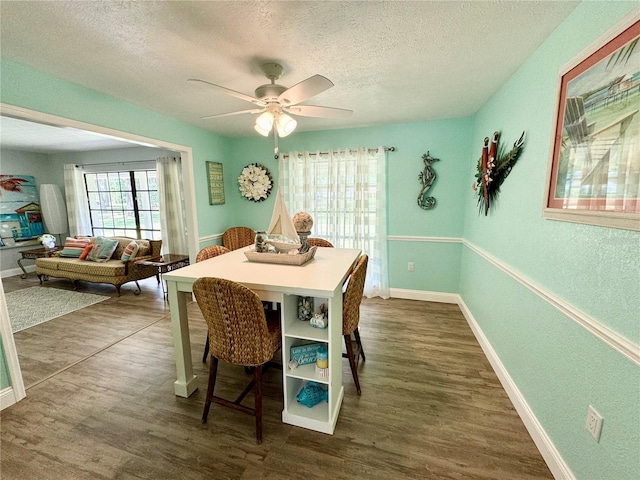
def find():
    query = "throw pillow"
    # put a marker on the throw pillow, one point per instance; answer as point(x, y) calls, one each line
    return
point(102, 250)
point(145, 247)
point(85, 252)
point(130, 251)
point(73, 247)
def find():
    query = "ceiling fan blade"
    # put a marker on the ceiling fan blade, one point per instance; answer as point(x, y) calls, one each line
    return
point(305, 89)
point(316, 111)
point(228, 91)
point(218, 115)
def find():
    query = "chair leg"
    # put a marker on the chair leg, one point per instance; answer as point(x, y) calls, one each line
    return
point(357, 335)
point(352, 361)
point(206, 350)
point(257, 376)
point(213, 370)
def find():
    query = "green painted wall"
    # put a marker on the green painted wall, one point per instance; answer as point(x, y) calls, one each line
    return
point(558, 366)
point(436, 264)
point(29, 88)
point(5, 379)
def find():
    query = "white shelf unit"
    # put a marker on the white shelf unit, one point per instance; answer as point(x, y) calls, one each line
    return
point(323, 416)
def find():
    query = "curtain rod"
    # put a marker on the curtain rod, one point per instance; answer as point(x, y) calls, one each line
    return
point(372, 149)
point(115, 163)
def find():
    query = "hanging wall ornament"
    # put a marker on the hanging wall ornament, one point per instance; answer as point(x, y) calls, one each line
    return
point(427, 177)
point(255, 182)
point(493, 167)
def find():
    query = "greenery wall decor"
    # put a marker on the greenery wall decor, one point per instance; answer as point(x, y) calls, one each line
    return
point(493, 167)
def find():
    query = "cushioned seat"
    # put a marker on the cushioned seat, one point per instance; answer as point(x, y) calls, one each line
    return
point(113, 271)
point(108, 268)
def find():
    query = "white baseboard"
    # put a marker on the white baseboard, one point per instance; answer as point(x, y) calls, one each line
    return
point(16, 271)
point(7, 397)
point(552, 457)
point(424, 295)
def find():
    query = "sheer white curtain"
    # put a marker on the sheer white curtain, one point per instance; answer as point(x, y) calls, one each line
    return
point(77, 202)
point(172, 215)
point(345, 193)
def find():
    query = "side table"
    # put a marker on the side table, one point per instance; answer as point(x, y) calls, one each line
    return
point(167, 263)
point(32, 254)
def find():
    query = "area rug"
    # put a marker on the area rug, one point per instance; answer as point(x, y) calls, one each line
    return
point(36, 305)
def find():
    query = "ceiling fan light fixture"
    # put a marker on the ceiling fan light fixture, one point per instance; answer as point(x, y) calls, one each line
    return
point(285, 125)
point(264, 123)
point(261, 131)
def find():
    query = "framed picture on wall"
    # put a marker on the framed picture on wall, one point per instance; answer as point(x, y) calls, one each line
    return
point(594, 171)
point(215, 181)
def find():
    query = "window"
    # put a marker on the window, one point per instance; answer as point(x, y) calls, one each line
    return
point(124, 204)
point(345, 193)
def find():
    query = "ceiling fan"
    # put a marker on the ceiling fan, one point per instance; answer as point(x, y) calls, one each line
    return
point(275, 102)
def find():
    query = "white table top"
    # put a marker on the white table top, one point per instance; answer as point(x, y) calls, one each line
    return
point(318, 277)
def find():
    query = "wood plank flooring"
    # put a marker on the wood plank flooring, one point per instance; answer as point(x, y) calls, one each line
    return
point(431, 406)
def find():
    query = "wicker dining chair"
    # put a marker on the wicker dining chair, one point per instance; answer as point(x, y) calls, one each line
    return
point(237, 237)
point(351, 316)
point(240, 333)
point(319, 242)
point(205, 254)
point(211, 251)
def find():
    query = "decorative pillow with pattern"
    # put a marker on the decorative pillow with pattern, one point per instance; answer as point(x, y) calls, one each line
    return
point(86, 251)
point(145, 247)
point(73, 247)
point(130, 251)
point(102, 250)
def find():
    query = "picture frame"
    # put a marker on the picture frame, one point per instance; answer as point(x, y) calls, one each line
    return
point(215, 181)
point(594, 169)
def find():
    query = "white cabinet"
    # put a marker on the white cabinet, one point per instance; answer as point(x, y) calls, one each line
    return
point(321, 417)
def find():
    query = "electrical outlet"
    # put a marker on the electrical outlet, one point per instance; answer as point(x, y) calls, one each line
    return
point(410, 267)
point(594, 423)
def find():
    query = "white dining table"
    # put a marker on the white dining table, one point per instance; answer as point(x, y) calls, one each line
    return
point(321, 278)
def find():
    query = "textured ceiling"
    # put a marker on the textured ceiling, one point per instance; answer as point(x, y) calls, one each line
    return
point(390, 61)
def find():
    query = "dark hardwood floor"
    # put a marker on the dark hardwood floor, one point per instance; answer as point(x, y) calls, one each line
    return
point(100, 403)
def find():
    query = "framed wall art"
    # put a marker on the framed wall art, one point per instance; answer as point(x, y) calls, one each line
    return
point(215, 181)
point(20, 212)
point(594, 171)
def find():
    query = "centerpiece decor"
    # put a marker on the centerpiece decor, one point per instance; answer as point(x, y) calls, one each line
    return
point(303, 222)
point(255, 182)
point(493, 168)
point(283, 242)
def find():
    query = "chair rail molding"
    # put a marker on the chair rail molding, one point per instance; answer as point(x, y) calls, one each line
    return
point(611, 338)
point(409, 238)
point(210, 238)
point(616, 341)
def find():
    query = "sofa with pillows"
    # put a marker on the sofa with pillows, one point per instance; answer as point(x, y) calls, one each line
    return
point(101, 260)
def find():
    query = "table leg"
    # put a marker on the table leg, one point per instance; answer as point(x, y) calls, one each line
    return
point(24, 274)
point(185, 385)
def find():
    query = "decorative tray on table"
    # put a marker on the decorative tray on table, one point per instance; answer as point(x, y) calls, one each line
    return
point(281, 258)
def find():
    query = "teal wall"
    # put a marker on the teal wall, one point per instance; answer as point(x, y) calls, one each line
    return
point(436, 264)
point(29, 88)
point(5, 379)
point(557, 365)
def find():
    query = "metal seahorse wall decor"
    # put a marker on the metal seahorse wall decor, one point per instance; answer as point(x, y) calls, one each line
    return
point(427, 177)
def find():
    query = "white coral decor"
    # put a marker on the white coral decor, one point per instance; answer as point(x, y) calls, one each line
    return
point(255, 182)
